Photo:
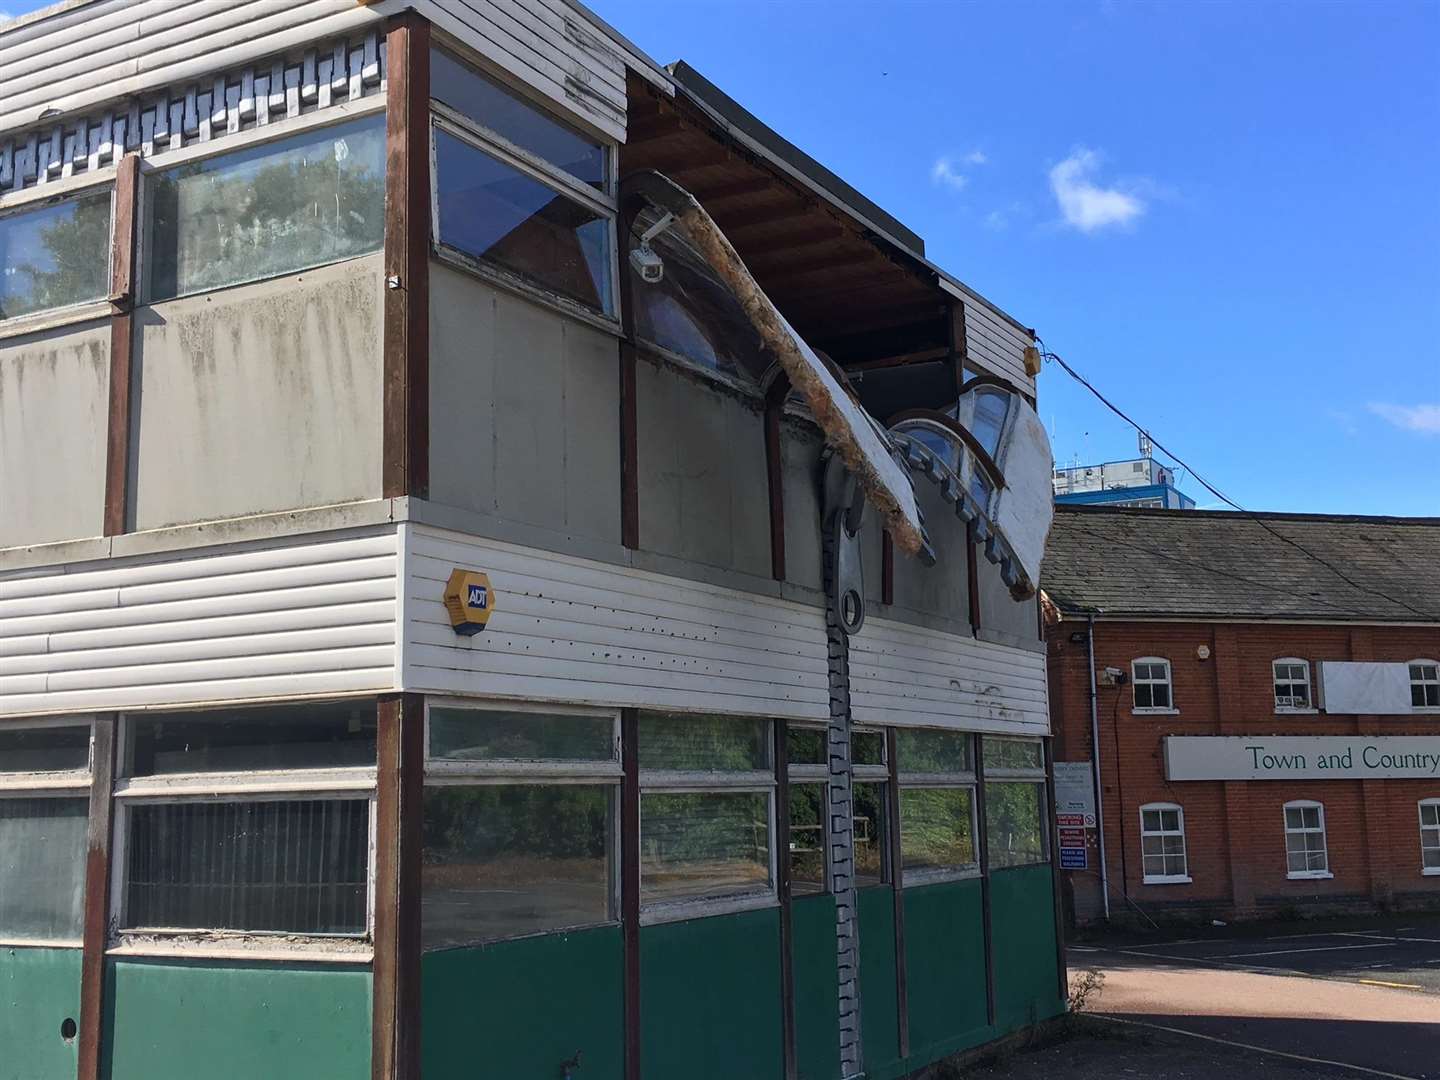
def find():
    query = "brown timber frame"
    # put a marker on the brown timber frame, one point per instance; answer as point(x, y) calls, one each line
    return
point(122, 343)
point(982, 855)
point(897, 883)
point(630, 883)
point(405, 457)
point(97, 897)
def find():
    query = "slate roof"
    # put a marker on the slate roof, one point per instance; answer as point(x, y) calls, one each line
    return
point(1224, 564)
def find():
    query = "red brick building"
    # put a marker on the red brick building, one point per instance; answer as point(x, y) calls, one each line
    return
point(1266, 705)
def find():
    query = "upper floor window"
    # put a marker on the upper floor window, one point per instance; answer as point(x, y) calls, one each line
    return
point(272, 209)
point(1424, 684)
point(1430, 836)
point(1162, 843)
point(55, 255)
point(936, 769)
point(1292, 684)
point(1305, 852)
point(520, 193)
point(1151, 678)
point(1015, 818)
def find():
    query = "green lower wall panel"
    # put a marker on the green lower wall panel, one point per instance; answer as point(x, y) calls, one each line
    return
point(945, 969)
point(218, 1020)
point(514, 1010)
point(710, 998)
point(39, 991)
point(817, 988)
point(879, 996)
point(1022, 922)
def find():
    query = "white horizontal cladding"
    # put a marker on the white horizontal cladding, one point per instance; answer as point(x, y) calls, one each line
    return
point(142, 50)
point(993, 342)
point(549, 46)
point(314, 76)
point(565, 629)
point(314, 615)
point(903, 674)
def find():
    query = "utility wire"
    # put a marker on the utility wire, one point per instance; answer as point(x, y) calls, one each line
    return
point(1048, 355)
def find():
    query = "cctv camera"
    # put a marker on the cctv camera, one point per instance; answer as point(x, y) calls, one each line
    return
point(647, 264)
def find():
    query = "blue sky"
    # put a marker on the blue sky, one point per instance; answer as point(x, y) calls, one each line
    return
point(1226, 215)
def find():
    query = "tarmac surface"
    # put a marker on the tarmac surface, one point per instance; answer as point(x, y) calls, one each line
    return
point(1360, 996)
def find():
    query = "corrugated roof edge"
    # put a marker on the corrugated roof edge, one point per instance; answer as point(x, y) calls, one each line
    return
point(1268, 515)
point(769, 143)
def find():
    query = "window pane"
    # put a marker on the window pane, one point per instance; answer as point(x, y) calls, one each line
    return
point(499, 214)
point(276, 208)
point(55, 256)
point(42, 868)
point(936, 828)
point(1293, 818)
point(867, 748)
point(323, 735)
point(691, 312)
point(506, 860)
point(1015, 828)
point(868, 825)
point(1152, 845)
point(1295, 862)
point(805, 746)
point(1430, 813)
point(44, 749)
point(990, 408)
point(922, 751)
point(467, 91)
point(295, 866)
point(1160, 695)
point(807, 838)
point(701, 743)
point(1170, 820)
point(703, 844)
point(1175, 865)
point(486, 735)
point(1317, 860)
point(1150, 820)
point(1011, 753)
point(1143, 697)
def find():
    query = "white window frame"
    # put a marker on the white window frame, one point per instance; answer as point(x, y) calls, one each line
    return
point(948, 781)
point(1168, 682)
point(682, 782)
point(1306, 875)
point(49, 784)
point(1429, 842)
point(603, 203)
point(1423, 682)
point(1164, 879)
point(442, 772)
point(270, 785)
point(1276, 681)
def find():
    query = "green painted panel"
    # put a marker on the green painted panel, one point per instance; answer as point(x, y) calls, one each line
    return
point(39, 991)
point(710, 998)
point(817, 987)
point(222, 1020)
point(1022, 922)
point(944, 969)
point(879, 995)
point(512, 1010)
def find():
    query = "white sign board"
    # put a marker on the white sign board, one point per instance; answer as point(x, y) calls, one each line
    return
point(1301, 757)
point(1375, 689)
point(1075, 791)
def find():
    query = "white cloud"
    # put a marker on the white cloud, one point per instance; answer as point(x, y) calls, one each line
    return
point(976, 157)
point(1084, 204)
point(1424, 419)
point(996, 220)
point(944, 172)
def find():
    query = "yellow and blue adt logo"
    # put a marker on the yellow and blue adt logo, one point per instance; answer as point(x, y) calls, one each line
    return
point(469, 599)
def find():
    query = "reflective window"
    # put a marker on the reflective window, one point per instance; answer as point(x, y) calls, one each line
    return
point(1001, 753)
point(55, 256)
point(1424, 684)
point(807, 838)
point(698, 742)
point(1151, 678)
point(805, 746)
point(1162, 842)
point(44, 749)
point(1430, 836)
point(1292, 683)
point(1014, 824)
point(987, 416)
point(703, 844)
point(868, 825)
point(923, 750)
point(505, 860)
point(456, 84)
point(42, 868)
point(272, 209)
point(937, 828)
point(302, 736)
point(497, 213)
point(867, 748)
point(1305, 851)
point(491, 735)
point(285, 866)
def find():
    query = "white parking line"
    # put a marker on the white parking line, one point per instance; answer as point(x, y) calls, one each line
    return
point(1319, 948)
